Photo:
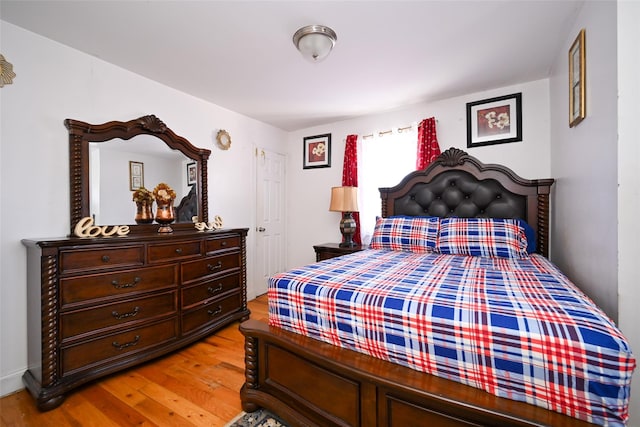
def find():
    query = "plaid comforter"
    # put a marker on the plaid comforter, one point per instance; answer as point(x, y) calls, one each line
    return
point(517, 328)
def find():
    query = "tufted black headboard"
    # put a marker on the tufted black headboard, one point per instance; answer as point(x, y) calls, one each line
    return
point(457, 184)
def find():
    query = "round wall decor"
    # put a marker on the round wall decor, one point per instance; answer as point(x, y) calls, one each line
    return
point(224, 139)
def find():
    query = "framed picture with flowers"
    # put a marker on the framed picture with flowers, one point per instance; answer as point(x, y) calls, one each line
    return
point(316, 151)
point(494, 120)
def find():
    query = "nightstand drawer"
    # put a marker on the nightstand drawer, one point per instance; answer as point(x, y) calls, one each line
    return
point(332, 250)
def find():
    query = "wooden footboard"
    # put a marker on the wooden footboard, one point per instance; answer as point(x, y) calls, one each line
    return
point(311, 383)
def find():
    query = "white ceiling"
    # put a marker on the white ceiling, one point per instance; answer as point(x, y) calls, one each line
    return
point(239, 54)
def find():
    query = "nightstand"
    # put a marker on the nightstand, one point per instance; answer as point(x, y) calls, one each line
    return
point(332, 250)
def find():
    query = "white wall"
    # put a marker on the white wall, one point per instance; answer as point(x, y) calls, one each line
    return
point(584, 241)
point(310, 221)
point(629, 190)
point(596, 205)
point(55, 82)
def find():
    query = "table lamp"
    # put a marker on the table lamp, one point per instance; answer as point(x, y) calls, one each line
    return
point(345, 200)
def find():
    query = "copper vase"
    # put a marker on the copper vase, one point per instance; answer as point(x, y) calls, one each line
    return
point(144, 215)
point(165, 215)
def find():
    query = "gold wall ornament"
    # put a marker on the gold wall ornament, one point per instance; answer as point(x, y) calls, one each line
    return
point(85, 228)
point(216, 224)
point(224, 139)
point(6, 72)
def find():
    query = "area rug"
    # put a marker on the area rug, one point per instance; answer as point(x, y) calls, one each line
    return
point(259, 418)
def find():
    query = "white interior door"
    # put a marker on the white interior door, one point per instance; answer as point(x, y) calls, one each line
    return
point(270, 230)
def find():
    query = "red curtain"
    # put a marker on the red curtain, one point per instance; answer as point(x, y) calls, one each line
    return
point(428, 147)
point(350, 175)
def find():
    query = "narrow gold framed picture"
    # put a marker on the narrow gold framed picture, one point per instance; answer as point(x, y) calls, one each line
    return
point(577, 80)
point(136, 175)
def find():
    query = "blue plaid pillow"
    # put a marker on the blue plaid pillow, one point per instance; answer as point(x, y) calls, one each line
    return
point(406, 233)
point(490, 237)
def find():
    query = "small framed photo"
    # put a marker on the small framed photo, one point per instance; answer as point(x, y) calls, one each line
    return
point(317, 151)
point(136, 175)
point(577, 77)
point(192, 173)
point(494, 120)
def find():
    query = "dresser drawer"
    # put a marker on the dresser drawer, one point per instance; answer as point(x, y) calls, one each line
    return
point(158, 252)
point(203, 293)
point(92, 259)
point(211, 313)
point(222, 242)
point(195, 270)
point(109, 348)
point(79, 290)
point(127, 313)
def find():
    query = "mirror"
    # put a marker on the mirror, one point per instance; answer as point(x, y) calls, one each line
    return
point(109, 160)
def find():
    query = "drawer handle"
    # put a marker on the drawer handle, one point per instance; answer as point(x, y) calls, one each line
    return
point(218, 266)
point(106, 258)
point(223, 243)
point(215, 312)
point(213, 290)
point(179, 251)
point(119, 346)
point(119, 316)
point(116, 284)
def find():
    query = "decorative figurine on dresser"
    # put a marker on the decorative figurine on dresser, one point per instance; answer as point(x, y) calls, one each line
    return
point(125, 294)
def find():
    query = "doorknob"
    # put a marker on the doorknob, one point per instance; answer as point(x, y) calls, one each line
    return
point(261, 229)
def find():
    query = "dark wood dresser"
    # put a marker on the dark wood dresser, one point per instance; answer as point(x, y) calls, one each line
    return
point(97, 306)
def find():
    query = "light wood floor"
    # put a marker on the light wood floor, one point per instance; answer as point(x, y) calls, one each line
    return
point(196, 386)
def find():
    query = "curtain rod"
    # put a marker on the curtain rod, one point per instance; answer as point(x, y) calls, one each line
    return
point(387, 132)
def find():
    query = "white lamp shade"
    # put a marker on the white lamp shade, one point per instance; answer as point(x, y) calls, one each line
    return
point(344, 199)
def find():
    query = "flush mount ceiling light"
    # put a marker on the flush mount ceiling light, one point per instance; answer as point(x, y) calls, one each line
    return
point(315, 41)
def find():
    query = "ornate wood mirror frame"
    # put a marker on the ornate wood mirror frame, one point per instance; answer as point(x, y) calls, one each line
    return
point(81, 134)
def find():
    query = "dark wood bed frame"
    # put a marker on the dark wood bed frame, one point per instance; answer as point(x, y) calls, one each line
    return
point(311, 383)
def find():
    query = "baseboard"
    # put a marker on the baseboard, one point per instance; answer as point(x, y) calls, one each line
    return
point(11, 383)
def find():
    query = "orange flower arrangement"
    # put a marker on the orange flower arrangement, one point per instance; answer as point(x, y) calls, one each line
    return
point(163, 193)
point(142, 195)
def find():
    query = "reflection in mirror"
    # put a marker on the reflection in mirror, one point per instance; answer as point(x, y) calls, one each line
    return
point(99, 171)
point(109, 181)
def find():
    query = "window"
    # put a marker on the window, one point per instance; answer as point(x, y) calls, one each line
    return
point(382, 162)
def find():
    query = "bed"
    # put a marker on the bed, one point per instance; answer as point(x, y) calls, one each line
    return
point(454, 317)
